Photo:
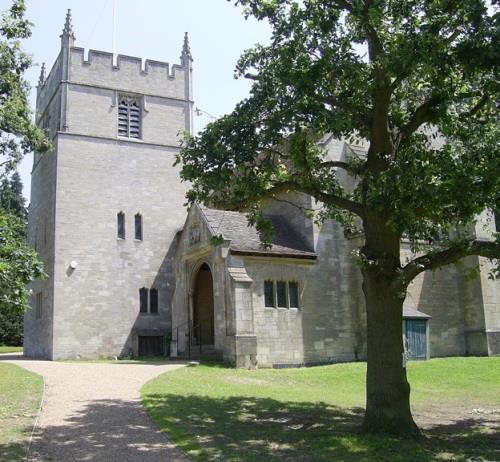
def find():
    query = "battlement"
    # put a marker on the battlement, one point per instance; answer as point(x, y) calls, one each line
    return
point(130, 74)
point(141, 66)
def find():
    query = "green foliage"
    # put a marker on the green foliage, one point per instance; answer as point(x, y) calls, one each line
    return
point(18, 133)
point(18, 264)
point(417, 80)
point(12, 203)
point(18, 136)
point(217, 413)
point(11, 196)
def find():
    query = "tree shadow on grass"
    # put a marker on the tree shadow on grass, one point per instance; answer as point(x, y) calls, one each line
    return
point(103, 431)
point(261, 429)
point(12, 452)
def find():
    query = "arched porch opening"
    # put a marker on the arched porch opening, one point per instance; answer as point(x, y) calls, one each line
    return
point(203, 307)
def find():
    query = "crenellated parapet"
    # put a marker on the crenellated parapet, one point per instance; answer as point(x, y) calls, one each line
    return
point(129, 74)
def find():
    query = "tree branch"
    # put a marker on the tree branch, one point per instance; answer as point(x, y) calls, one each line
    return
point(425, 113)
point(474, 110)
point(251, 76)
point(434, 260)
point(326, 198)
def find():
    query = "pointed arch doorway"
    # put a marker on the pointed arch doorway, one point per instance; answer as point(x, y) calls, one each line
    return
point(203, 307)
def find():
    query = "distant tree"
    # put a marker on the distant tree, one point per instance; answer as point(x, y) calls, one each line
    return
point(397, 74)
point(11, 196)
point(18, 136)
point(13, 204)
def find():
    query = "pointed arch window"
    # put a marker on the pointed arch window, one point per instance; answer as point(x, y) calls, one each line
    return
point(129, 117)
point(120, 223)
point(138, 226)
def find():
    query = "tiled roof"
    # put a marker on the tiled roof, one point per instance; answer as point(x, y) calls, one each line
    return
point(245, 239)
point(412, 313)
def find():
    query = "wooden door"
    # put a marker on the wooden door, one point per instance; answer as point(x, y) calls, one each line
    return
point(416, 338)
point(151, 346)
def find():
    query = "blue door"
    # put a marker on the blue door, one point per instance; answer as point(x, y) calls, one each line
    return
point(416, 338)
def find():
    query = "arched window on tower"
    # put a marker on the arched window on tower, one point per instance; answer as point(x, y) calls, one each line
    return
point(138, 226)
point(129, 117)
point(120, 222)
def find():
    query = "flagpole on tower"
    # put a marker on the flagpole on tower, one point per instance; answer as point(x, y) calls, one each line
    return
point(114, 32)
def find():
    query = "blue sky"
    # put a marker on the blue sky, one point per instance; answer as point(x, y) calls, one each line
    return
point(152, 29)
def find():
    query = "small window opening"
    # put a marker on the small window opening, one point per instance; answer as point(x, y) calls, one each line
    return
point(269, 294)
point(138, 227)
point(38, 306)
point(153, 301)
point(121, 225)
point(143, 300)
point(281, 294)
point(293, 294)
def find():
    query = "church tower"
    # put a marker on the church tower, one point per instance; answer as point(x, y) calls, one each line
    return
point(106, 202)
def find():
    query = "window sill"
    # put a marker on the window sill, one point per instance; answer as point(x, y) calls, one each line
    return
point(127, 138)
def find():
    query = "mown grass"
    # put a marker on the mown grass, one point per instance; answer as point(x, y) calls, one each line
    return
point(20, 395)
point(11, 349)
point(313, 414)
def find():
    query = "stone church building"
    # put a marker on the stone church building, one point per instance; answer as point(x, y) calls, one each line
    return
point(130, 271)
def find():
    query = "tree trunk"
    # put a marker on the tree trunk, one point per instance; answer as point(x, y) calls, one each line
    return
point(387, 388)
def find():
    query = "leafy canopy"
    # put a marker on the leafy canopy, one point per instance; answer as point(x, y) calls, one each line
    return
point(18, 133)
point(417, 79)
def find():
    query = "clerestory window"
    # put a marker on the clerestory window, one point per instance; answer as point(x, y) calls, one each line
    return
point(129, 117)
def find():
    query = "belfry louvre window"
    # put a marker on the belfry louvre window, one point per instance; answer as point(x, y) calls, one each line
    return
point(129, 117)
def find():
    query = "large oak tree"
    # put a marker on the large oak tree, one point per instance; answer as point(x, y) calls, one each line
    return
point(401, 75)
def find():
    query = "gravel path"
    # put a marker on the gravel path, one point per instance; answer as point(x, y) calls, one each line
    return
point(93, 412)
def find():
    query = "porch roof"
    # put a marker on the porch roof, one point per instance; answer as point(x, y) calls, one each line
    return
point(245, 239)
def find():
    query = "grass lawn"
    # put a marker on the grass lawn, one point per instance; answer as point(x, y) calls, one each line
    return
point(11, 349)
point(20, 395)
point(313, 414)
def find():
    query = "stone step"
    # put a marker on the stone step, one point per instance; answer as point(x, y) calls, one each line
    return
point(208, 352)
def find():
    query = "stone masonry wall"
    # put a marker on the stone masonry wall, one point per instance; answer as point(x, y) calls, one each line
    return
point(97, 304)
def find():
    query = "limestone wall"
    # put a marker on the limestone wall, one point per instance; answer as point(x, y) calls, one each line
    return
point(162, 119)
point(97, 304)
point(38, 332)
